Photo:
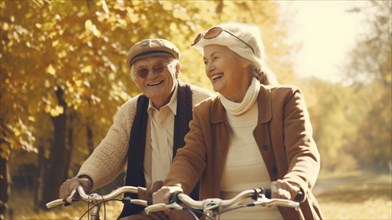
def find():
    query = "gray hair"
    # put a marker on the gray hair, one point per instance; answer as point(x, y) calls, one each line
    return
point(264, 75)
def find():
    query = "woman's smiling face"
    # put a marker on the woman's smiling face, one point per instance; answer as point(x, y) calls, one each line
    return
point(227, 72)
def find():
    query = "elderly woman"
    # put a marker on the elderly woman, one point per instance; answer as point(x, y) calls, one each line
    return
point(253, 134)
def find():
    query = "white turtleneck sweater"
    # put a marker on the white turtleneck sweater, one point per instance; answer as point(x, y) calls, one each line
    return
point(245, 167)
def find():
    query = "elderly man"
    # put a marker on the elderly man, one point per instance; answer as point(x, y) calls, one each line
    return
point(148, 129)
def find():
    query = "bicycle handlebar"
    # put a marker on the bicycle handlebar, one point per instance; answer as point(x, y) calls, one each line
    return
point(96, 198)
point(259, 195)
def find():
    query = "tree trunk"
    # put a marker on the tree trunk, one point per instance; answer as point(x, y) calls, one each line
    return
point(90, 142)
point(4, 186)
point(70, 143)
point(56, 172)
point(43, 164)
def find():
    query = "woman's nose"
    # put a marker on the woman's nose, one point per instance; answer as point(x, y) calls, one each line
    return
point(210, 68)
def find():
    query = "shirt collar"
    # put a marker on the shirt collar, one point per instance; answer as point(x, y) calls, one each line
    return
point(172, 104)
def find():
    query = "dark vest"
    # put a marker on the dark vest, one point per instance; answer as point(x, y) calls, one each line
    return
point(137, 142)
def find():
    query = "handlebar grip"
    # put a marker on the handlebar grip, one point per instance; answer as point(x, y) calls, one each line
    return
point(267, 192)
point(54, 203)
point(174, 197)
point(155, 208)
point(299, 197)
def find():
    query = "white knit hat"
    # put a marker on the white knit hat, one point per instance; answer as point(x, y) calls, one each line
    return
point(246, 32)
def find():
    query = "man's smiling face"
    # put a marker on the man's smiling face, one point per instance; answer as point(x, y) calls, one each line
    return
point(159, 82)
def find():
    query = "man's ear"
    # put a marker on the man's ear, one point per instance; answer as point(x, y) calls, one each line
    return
point(178, 70)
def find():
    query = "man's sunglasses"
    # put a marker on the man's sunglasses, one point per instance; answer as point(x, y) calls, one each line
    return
point(215, 32)
point(156, 69)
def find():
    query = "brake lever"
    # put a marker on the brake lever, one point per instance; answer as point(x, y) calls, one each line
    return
point(71, 197)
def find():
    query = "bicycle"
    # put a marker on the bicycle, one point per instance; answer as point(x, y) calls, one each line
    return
point(212, 208)
point(97, 200)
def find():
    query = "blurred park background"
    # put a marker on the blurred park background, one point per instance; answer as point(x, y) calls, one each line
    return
point(63, 76)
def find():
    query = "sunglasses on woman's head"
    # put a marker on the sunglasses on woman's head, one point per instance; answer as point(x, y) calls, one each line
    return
point(156, 69)
point(215, 32)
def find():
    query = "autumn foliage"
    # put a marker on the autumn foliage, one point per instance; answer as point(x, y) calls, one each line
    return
point(63, 76)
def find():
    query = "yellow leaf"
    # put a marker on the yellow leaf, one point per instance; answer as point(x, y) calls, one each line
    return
point(78, 82)
point(5, 26)
point(55, 43)
point(105, 7)
point(88, 24)
point(134, 18)
point(58, 110)
point(62, 54)
point(47, 84)
point(87, 69)
point(167, 5)
point(17, 132)
point(180, 12)
point(92, 28)
point(51, 70)
point(47, 108)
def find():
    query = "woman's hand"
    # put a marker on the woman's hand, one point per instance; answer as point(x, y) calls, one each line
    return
point(284, 190)
point(163, 195)
point(70, 184)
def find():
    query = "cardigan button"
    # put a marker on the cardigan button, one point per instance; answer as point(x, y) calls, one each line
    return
point(274, 170)
point(265, 147)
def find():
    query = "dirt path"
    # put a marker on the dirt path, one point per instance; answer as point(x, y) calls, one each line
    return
point(326, 184)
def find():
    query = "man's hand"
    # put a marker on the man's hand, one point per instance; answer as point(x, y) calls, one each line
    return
point(70, 184)
point(146, 194)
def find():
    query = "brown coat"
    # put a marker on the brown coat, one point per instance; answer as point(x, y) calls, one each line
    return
point(283, 135)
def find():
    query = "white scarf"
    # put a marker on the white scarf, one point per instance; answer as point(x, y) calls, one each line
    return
point(235, 108)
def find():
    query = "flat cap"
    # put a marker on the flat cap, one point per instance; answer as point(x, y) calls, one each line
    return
point(152, 47)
